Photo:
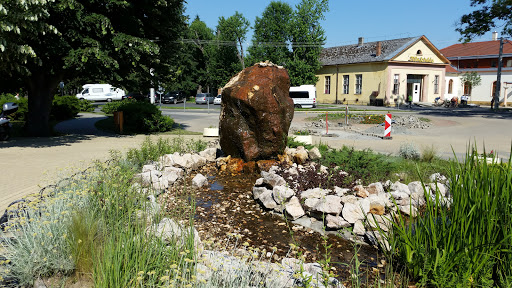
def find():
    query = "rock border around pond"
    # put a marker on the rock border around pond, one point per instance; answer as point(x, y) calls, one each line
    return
point(362, 209)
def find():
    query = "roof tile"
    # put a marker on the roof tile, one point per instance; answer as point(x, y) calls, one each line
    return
point(350, 54)
point(476, 49)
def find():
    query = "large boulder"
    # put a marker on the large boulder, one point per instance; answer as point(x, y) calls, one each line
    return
point(256, 113)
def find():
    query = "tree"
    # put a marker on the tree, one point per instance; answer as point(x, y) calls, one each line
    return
point(234, 29)
point(227, 58)
point(272, 34)
point(489, 15)
point(114, 41)
point(470, 80)
point(308, 36)
point(198, 51)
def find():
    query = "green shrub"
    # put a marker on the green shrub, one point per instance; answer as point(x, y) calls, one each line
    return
point(112, 107)
point(360, 164)
point(143, 117)
point(86, 106)
point(409, 151)
point(21, 114)
point(65, 107)
point(428, 153)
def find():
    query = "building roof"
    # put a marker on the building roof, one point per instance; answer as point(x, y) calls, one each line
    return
point(350, 54)
point(451, 69)
point(477, 49)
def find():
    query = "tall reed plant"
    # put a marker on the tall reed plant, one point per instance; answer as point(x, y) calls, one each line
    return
point(465, 242)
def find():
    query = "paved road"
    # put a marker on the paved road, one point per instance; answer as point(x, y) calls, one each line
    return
point(30, 163)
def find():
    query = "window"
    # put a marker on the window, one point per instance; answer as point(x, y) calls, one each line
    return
point(359, 83)
point(419, 53)
point(493, 63)
point(97, 90)
point(396, 84)
point(345, 84)
point(327, 84)
point(299, 94)
point(467, 88)
point(509, 63)
point(450, 86)
point(436, 84)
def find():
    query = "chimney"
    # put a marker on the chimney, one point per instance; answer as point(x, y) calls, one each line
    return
point(360, 41)
point(379, 49)
point(494, 36)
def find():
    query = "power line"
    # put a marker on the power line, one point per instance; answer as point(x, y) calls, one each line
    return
point(262, 44)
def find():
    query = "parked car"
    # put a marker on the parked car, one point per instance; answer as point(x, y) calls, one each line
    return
point(217, 100)
point(203, 98)
point(173, 97)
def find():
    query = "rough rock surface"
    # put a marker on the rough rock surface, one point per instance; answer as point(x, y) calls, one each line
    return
point(256, 113)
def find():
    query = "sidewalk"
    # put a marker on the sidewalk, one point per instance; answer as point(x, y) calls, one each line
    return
point(28, 164)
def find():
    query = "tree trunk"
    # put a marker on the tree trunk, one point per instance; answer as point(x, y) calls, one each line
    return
point(41, 89)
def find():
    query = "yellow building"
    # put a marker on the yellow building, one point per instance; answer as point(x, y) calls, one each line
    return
point(382, 72)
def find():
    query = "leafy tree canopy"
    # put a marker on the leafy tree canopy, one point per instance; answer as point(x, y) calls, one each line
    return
point(272, 34)
point(308, 36)
point(489, 15)
point(108, 41)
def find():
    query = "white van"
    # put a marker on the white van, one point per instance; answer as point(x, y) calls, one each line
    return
point(303, 96)
point(100, 92)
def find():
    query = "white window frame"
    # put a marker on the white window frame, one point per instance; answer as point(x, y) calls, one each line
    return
point(359, 84)
point(327, 85)
point(346, 83)
point(396, 84)
point(436, 84)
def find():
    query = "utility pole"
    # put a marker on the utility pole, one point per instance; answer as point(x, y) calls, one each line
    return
point(498, 80)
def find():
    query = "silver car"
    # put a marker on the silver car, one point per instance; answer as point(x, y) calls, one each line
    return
point(203, 98)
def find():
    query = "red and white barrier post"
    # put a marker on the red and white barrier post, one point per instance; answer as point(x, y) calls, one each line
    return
point(387, 127)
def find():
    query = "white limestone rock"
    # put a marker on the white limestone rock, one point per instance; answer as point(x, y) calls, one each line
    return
point(341, 191)
point(375, 188)
point(352, 213)
point(310, 203)
point(314, 154)
point(399, 195)
point(257, 191)
point(330, 204)
point(349, 199)
point(272, 179)
point(199, 181)
point(294, 209)
point(400, 187)
point(210, 154)
point(281, 194)
point(171, 231)
point(379, 221)
point(149, 167)
point(442, 188)
point(267, 200)
point(314, 193)
point(408, 210)
point(438, 177)
point(336, 222)
point(359, 228)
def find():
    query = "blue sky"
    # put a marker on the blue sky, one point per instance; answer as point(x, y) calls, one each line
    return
point(347, 19)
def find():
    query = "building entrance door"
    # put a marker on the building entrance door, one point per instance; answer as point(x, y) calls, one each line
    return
point(416, 92)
